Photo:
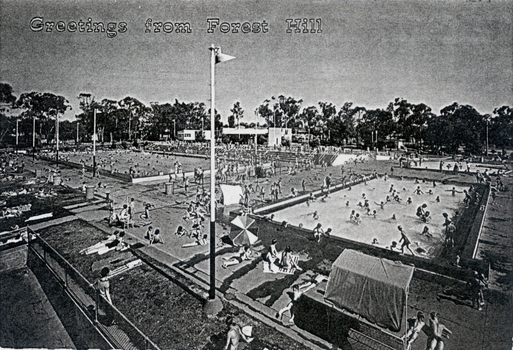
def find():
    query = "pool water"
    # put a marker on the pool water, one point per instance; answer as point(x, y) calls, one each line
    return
point(334, 213)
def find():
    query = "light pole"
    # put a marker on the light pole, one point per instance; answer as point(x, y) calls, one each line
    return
point(487, 122)
point(57, 139)
point(129, 126)
point(94, 143)
point(17, 135)
point(33, 138)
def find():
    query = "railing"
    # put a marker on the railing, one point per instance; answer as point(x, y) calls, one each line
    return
point(109, 321)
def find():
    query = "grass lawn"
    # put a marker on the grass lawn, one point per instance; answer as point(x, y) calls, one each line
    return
point(170, 316)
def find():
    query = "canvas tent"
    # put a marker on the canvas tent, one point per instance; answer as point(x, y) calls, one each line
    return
point(372, 287)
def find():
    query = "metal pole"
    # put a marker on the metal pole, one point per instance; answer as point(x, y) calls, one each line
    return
point(487, 137)
point(129, 125)
point(96, 299)
point(94, 143)
point(212, 290)
point(33, 137)
point(57, 139)
point(77, 130)
point(17, 135)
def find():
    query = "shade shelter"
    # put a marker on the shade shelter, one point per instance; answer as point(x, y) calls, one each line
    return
point(374, 288)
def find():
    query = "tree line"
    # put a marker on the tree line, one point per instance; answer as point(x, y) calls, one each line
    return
point(456, 127)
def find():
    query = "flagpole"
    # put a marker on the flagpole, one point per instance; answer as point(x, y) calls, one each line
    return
point(212, 291)
point(213, 306)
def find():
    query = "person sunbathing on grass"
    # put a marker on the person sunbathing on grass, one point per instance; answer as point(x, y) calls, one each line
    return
point(93, 248)
point(113, 241)
point(243, 255)
point(200, 241)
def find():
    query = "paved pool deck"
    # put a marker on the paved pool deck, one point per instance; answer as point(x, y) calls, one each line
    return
point(27, 318)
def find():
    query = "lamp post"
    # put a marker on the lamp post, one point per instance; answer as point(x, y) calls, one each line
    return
point(94, 142)
point(129, 126)
point(33, 138)
point(57, 139)
point(17, 135)
point(487, 122)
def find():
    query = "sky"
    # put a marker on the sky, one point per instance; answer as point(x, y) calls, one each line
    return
point(368, 52)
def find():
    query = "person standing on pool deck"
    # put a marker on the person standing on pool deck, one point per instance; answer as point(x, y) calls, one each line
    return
point(328, 182)
point(406, 241)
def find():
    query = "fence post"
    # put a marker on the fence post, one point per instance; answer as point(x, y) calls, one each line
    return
point(66, 276)
point(96, 308)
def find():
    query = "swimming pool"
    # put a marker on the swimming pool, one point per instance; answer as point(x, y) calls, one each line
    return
point(334, 213)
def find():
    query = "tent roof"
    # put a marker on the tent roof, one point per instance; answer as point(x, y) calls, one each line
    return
point(372, 287)
point(378, 269)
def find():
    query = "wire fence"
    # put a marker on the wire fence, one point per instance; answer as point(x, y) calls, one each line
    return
point(109, 321)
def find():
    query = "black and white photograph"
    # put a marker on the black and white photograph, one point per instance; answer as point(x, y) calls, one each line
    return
point(243, 175)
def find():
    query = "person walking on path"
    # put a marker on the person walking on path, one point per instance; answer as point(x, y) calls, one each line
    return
point(477, 284)
point(103, 287)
